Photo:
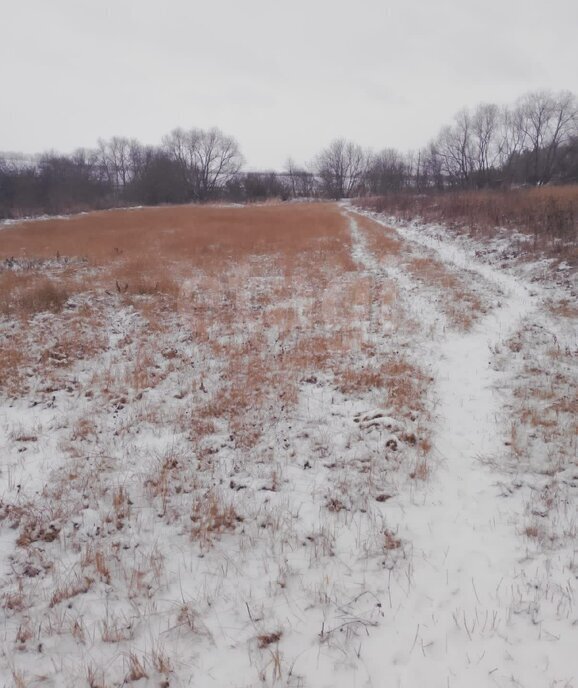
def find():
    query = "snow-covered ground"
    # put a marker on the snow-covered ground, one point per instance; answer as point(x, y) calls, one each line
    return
point(481, 606)
point(415, 530)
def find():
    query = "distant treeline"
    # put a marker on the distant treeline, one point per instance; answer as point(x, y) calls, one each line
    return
point(533, 142)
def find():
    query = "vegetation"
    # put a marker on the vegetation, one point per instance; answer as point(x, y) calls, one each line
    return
point(548, 214)
point(534, 142)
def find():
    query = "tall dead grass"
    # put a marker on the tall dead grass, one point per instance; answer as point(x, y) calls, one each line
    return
point(548, 214)
point(25, 294)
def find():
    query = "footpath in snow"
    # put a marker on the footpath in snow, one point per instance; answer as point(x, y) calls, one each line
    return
point(471, 609)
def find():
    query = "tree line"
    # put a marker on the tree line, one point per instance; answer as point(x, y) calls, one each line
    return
point(193, 165)
point(532, 142)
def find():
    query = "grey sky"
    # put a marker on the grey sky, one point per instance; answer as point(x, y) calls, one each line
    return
point(283, 77)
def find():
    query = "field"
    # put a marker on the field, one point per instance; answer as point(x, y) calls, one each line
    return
point(285, 445)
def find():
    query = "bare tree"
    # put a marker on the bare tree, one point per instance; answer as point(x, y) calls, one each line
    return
point(218, 160)
point(341, 168)
point(116, 158)
point(568, 163)
point(512, 141)
point(453, 148)
point(387, 171)
point(547, 121)
point(208, 159)
point(180, 145)
point(486, 141)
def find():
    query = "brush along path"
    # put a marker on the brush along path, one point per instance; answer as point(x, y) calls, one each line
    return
point(473, 607)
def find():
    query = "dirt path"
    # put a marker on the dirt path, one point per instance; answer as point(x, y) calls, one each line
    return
point(466, 610)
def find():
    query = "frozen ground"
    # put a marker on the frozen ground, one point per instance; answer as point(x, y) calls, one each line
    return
point(418, 531)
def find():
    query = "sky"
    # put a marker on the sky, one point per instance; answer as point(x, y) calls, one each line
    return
point(284, 78)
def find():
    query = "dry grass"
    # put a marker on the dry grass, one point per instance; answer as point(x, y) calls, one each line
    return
point(195, 235)
point(564, 308)
point(548, 214)
point(211, 516)
point(390, 541)
point(532, 531)
point(401, 380)
point(460, 303)
point(543, 435)
point(456, 295)
point(28, 294)
point(144, 259)
point(173, 378)
point(136, 670)
point(42, 351)
point(383, 241)
point(70, 590)
point(266, 639)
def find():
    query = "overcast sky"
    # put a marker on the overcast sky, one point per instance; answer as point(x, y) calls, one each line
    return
point(284, 78)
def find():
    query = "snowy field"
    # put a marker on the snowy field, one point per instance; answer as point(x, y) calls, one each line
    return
point(288, 445)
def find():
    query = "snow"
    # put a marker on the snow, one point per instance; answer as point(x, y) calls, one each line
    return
point(371, 577)
point(474, 608)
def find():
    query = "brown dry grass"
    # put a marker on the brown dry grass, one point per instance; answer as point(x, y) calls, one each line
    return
point(26, 295)
point(210, 330)
point(461, 304)
point(146, 252)
point(402, 380)
point(564, 308)
point(544, 424)
point(548, 214)
point(383, 241)
point(41, 352)
point(142, 259)
point(195, 235)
